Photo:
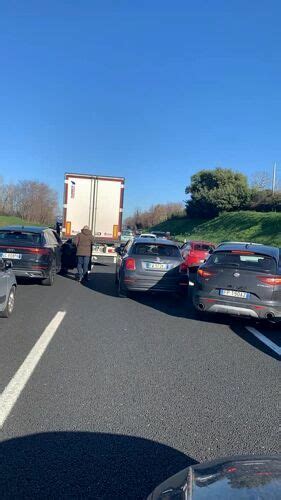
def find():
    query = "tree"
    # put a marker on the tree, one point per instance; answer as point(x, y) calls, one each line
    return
point(261, 180)
point(215, 191)
point(31, 200)
point(156, 214)
point(36, 202)
point(265, 201)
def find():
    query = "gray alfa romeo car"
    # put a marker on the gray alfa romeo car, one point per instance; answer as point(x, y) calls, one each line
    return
point(241, 279)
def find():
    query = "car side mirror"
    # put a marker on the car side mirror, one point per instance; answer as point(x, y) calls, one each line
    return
point(5, 264)
point(211, 251)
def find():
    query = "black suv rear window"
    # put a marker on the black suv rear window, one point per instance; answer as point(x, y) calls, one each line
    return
point(156, 249)
point(243, 260)
point(21, 238)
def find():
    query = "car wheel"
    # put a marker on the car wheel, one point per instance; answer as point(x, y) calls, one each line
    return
point(10, 304)
point(49, 281)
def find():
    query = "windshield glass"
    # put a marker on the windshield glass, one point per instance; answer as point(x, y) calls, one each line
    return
point(157, 250)
point(240, 260)
point(21, 238)
point(203, 247)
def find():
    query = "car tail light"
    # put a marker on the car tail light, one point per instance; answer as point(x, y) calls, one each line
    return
point(183, 268)
point(205, 274)
point(130, 264)
point(270, 280)
point(40, 251)
point(242, 252)
point(34, 250)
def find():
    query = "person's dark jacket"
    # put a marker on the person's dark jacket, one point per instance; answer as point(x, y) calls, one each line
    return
point(83, 242)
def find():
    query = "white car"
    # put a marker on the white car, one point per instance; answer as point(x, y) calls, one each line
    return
point(147, 235)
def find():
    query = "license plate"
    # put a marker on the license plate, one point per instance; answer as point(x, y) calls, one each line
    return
point(234, 293)
point(156, 266)
point(10, 255)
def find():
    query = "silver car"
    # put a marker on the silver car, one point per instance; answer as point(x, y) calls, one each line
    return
point(8, 285)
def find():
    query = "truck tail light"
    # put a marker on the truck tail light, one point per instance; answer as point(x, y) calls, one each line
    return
point(130, 264)
point(270, 280)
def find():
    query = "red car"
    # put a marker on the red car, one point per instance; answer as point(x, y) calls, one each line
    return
point(196, 252)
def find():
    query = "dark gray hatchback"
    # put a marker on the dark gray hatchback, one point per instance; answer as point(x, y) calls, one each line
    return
point(241, 279)
point(151, 265)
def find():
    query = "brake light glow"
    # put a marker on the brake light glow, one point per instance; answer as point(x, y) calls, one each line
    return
point(205, 274)
point(130, 264)
point(242, 252)
point(183, 268)
point(270, 280)
point(38, 251)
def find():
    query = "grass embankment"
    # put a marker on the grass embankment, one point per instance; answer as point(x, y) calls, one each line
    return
point(238, 226)
point(9, 220)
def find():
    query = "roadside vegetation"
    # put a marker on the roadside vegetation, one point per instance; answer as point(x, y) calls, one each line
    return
point(10, 220)
point(221, 205)
point(240, 226)
point(32, 201)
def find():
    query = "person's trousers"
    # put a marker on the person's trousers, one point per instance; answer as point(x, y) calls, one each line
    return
point(83, 265)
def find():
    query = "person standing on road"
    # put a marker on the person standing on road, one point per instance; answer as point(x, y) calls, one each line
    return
point(83, 242)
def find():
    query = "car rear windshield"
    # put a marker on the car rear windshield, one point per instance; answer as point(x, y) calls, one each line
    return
point(240, 260)
point(156, 250)
point(203, 247)
point(21, 238)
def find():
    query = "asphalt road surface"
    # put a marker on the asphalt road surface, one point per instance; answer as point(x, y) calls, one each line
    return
point(104, 397)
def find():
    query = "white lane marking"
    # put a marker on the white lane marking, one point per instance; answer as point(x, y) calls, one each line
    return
point(14, 388)
point(264, 339)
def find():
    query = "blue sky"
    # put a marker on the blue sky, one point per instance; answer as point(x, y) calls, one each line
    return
point(153, 90)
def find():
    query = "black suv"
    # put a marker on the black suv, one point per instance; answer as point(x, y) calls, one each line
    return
point(35, 252)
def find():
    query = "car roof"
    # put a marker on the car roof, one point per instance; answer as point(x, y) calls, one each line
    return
point(238, 242)
point(200, 242)
point(153, 241)
point(249, 247)
point(30, 229)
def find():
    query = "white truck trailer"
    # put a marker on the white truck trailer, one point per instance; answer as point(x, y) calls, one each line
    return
point(95, 201)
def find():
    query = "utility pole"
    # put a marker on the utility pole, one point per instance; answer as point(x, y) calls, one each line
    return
point(274, 178)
